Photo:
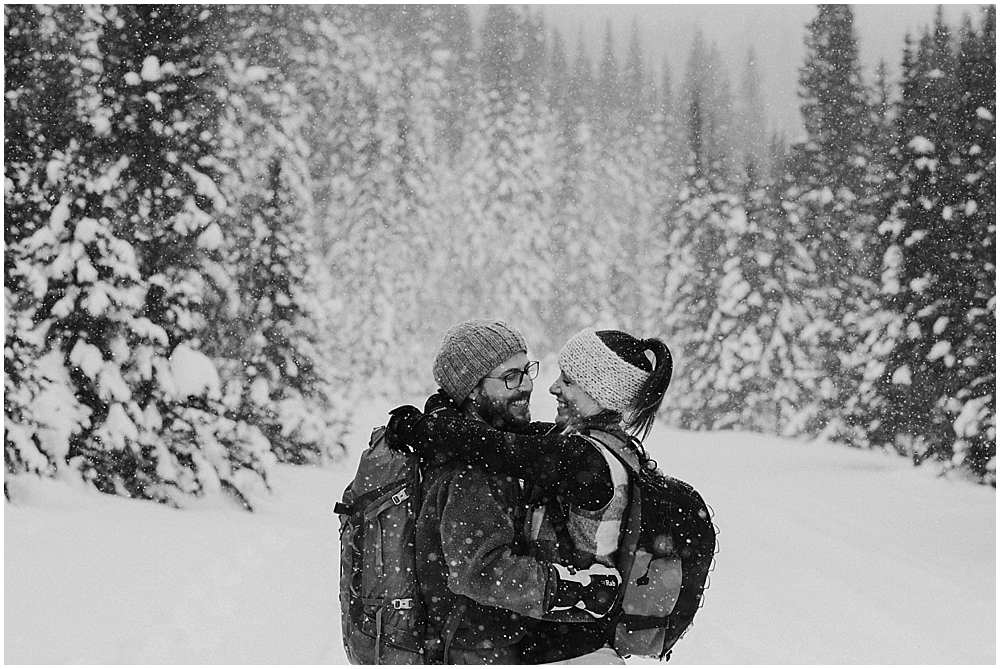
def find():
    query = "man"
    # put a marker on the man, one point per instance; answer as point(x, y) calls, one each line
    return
point(475, 578)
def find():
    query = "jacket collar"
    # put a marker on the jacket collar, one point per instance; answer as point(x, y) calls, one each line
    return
point(606, 421)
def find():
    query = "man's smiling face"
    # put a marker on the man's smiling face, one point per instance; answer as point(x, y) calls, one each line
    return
point(498, 405)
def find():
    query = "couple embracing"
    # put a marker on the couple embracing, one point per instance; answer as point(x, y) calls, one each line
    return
point(519, 523)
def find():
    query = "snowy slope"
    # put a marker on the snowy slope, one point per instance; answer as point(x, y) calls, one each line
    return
point(827, 555)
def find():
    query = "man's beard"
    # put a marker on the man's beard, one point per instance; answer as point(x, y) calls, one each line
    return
point(500, 414)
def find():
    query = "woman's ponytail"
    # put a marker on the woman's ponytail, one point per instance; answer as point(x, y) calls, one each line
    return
point(651, 394)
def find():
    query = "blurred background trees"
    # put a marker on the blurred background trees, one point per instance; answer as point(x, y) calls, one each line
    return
point(225, 225)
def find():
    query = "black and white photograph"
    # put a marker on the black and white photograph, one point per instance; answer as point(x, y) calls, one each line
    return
point(500, 334)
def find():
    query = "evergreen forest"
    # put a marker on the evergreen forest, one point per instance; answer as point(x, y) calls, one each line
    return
point(226, 225)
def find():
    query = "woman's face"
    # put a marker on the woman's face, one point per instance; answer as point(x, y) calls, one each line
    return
point(572, 401)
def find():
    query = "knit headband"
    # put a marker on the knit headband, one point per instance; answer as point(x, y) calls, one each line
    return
point(612, 382)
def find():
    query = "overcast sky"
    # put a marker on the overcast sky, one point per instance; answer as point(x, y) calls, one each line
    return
point(775, 31)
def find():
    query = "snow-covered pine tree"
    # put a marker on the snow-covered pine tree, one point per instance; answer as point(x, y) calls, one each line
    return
point(462, 244)
point(139, 411)
point(583, 88)
point(566, 164)
point(265, 313)
point(975, 425)
point(348, 136)
point(449, 37)
point(331, 72)
point(78, 300)
point(530, 67)
point(156, 123)
point(420, 171)
point(879, 330)
point(670, 130)
point(41, 63)
point(626, 230)
point(22, 386)
point(894, 401)
point(838, 224)
point(936, 387)
point(765, 358)
point(669, 151)
point(441, 37)
point(608, 102)
point(519, 131)
point(324, 51)
point(605, 276)
point(558, 98)
point(574, 302)
point(707, 219)
point(437, 271)
point(374, 137)
point(638, 91)
point(442, 91)
point(705, 74)
point(286, 389)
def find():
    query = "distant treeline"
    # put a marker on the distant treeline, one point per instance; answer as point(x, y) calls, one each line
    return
point(227, 224)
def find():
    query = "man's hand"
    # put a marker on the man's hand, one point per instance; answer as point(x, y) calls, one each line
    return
point(593, 589)
point(401, 427)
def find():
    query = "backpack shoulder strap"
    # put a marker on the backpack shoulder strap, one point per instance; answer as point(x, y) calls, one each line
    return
point(629, 539)
point(350, 503)
point(452, 623)
point(617, 447)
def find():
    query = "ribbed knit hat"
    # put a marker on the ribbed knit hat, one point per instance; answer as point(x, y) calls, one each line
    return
point(470, 351)
point(613, 383)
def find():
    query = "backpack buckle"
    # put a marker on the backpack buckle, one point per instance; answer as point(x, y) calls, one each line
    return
point(401, 604)
point(400, 497)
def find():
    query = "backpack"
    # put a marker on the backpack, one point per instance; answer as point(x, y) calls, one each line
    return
point(666, 551)
point(382, 616)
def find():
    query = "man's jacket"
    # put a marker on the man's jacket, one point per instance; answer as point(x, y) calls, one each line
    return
point(471, 552)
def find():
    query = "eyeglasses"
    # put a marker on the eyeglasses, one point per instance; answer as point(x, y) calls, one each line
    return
point(515, 377)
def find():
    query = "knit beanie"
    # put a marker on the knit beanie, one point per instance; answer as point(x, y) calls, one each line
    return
point(613, 383)
point(470, 351)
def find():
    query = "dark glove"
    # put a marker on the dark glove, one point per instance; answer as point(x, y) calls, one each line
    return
point(402, 424)
point(593, 589)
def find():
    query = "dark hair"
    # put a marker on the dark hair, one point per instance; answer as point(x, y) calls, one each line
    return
point(633, 351)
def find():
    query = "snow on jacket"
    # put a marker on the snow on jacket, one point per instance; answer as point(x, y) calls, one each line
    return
point(470, 543)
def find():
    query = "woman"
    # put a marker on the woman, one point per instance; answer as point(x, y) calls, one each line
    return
point(610, 384)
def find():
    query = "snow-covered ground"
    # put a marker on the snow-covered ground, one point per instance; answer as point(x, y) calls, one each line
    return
point(827, 556)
